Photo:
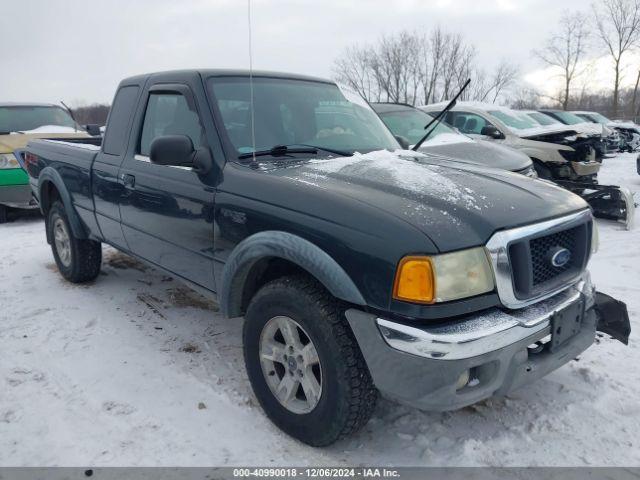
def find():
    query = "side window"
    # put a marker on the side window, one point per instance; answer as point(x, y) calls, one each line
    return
point(469, 122)
point(118, 125)
point(169, 114)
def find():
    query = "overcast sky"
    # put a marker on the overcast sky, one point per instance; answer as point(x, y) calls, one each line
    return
point(78, 51)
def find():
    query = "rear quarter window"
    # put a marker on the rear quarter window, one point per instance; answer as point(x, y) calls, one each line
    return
point(119, 118)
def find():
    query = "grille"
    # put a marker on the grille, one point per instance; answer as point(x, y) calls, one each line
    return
point(542, 249)
point(532, 269)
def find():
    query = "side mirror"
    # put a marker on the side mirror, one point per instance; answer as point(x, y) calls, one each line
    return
point(404, 143)
point(178, 151)
point(491, 131)
point(93, 129)
point(174, 150)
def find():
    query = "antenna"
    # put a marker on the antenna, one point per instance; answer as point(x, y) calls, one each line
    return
point(253, 129)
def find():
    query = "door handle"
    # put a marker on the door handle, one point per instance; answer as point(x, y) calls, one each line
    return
point(127, 180)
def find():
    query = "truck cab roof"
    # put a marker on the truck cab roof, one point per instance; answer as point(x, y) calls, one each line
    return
point(225, 72)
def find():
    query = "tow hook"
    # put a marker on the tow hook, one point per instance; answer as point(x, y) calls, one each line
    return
point(613, 317)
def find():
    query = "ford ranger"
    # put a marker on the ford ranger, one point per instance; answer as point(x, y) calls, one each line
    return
point(358, 267)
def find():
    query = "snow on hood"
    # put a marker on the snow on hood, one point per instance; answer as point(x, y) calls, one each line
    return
point(457, 206)
point(410, 174)
point(49, 129)
point(629, 125)
point(8, 143)
point(446, 139)
point(542, 130)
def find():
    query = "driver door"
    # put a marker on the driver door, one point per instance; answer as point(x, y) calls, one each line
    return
point(167, 214)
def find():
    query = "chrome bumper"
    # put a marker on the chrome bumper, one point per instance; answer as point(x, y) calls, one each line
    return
point(491, 330)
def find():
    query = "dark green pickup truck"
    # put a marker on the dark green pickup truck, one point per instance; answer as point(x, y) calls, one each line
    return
point(358, 267)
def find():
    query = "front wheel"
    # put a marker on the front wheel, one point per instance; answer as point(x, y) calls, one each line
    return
point(78, 259)
point(304, 363)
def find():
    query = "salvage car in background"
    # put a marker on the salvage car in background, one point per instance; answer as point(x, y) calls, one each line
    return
point(605, 139)
point(19, 123)
point(358, 267)
point(558, 153)
point(629, 131)
point(409, 123)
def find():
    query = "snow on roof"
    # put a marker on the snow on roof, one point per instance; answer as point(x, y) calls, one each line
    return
point(473, 104)
point(28, 104)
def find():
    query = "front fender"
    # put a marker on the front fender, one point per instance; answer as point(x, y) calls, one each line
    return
point(50, 175)
point(289, 247)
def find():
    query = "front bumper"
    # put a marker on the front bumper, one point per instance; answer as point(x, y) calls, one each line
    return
point(501, 350)
point(17, 196)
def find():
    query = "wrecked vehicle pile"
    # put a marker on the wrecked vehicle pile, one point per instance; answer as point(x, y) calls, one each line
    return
point(559, 153)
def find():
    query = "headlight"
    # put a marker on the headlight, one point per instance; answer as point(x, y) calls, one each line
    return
point(595, 238)
point(442, 278)
point(8, 160)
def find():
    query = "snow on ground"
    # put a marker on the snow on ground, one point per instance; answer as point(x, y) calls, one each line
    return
point(134, 369)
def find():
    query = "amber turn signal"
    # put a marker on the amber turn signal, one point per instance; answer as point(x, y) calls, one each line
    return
point(415, 280)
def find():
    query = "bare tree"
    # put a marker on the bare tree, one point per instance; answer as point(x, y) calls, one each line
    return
point(618, 26)
point(353, 68)
point(95, 113)
point(488, 88)
point(565, 50)
point(634, 111)
point(413, 67)
point(525, 98)
point(395, 65)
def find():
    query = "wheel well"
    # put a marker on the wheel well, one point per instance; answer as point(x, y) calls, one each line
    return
point(48, 195)
point(262, 272)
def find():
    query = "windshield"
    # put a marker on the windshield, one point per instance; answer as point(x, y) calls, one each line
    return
point(568, 118)
point(25, 118)
point(514, 119)
point(410, 124)
point(543, 118)
point(598, 118)
point(290, 112)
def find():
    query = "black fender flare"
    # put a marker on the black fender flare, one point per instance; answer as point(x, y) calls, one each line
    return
point(49, 174)
point(289, 247)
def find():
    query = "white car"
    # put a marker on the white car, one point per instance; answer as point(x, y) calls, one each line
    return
point(559, 118)
point(557, 151)
point(629, 131)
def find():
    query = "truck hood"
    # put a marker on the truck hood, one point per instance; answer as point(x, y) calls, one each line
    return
point(457, 206)
point(482, 153)
point(8, 143)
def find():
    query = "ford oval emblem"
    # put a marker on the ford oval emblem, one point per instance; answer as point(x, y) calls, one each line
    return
point(560, 257)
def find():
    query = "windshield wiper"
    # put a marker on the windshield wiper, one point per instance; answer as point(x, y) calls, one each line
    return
point(70, 112)
point(283, 150)
point(438, 118)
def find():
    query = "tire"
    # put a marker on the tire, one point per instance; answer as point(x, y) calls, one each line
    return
point(78, 260)
point(4, 214)
point(347, 396)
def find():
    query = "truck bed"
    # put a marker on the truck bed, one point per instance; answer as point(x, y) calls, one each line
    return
point(72, 159)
